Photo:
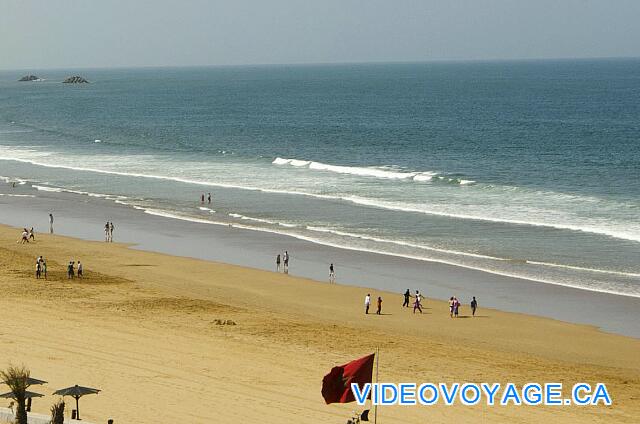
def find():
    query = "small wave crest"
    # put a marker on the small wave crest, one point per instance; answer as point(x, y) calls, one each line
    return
point(375, 172)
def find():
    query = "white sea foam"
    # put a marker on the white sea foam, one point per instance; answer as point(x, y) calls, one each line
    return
point(174, 215)
point(579, 268)
point(249, 218)
point(601, 229)
point(84, 193)
point(403, 243)
point(615, 233)
point(44, 188)
point(376, 172)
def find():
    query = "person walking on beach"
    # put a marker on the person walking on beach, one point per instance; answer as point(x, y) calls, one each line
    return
point(417, 302)
point(106, 231)
point(474, 306)
point(51, 223)
point(367, 303)
point(285, 259)
point(332, 274)
point(451, 307)
point(70, 270)
point(25, 236)
point(407, 295)
point(111, 227)
point(43, 264)
point(278, 263)
point(38, 268)
point(79, 270)
point(379, 310)
point(456, 306)
point(32, 235)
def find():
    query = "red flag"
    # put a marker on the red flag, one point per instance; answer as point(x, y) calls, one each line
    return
point(336, 386)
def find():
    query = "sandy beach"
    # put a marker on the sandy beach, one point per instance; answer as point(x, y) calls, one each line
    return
point(143, 328)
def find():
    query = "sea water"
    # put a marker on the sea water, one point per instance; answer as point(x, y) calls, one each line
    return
point(529, 169)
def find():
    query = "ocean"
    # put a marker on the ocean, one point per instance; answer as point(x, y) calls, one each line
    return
point(528, 169)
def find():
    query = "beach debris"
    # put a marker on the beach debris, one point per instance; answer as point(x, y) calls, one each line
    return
point(224, 322)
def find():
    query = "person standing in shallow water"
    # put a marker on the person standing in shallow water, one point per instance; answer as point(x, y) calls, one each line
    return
point(106, 231)
point(474, 306)
point(278, 263)
point(209, 198)
point(51, 223)
point(332, 274)
point(111, 227)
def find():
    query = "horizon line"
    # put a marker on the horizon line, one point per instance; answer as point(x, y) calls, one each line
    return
point(397, 62)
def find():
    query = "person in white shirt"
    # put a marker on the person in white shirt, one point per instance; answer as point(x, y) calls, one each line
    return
point(79, 270)
point(285, 259)
point(25, 237)
point(367, 303)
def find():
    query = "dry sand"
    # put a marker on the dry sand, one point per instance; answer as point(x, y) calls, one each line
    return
point(142, 327)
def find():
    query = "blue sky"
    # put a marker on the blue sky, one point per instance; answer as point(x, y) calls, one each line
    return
point(113, 33)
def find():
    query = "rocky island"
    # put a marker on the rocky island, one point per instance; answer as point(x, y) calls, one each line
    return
point(75, 80)
point(29, 78)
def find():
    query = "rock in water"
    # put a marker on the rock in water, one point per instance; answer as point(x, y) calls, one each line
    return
point(29, 78)
point(75, 80)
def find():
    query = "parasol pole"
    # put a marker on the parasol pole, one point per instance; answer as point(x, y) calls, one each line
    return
point(77, 408)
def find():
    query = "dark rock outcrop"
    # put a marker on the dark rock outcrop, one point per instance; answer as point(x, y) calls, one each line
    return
point(29, 78)
point(75, 80)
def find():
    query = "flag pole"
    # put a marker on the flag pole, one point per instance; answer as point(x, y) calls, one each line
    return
point(375, 411)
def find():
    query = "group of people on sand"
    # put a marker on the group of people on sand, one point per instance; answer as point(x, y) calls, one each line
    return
point(282, 262)
point(367, 304)
point(41, 268)
point(454, 303)
point(71, 270)
point(108, 231)
point(27, 235)
point(417, 300)
point(454, 306)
